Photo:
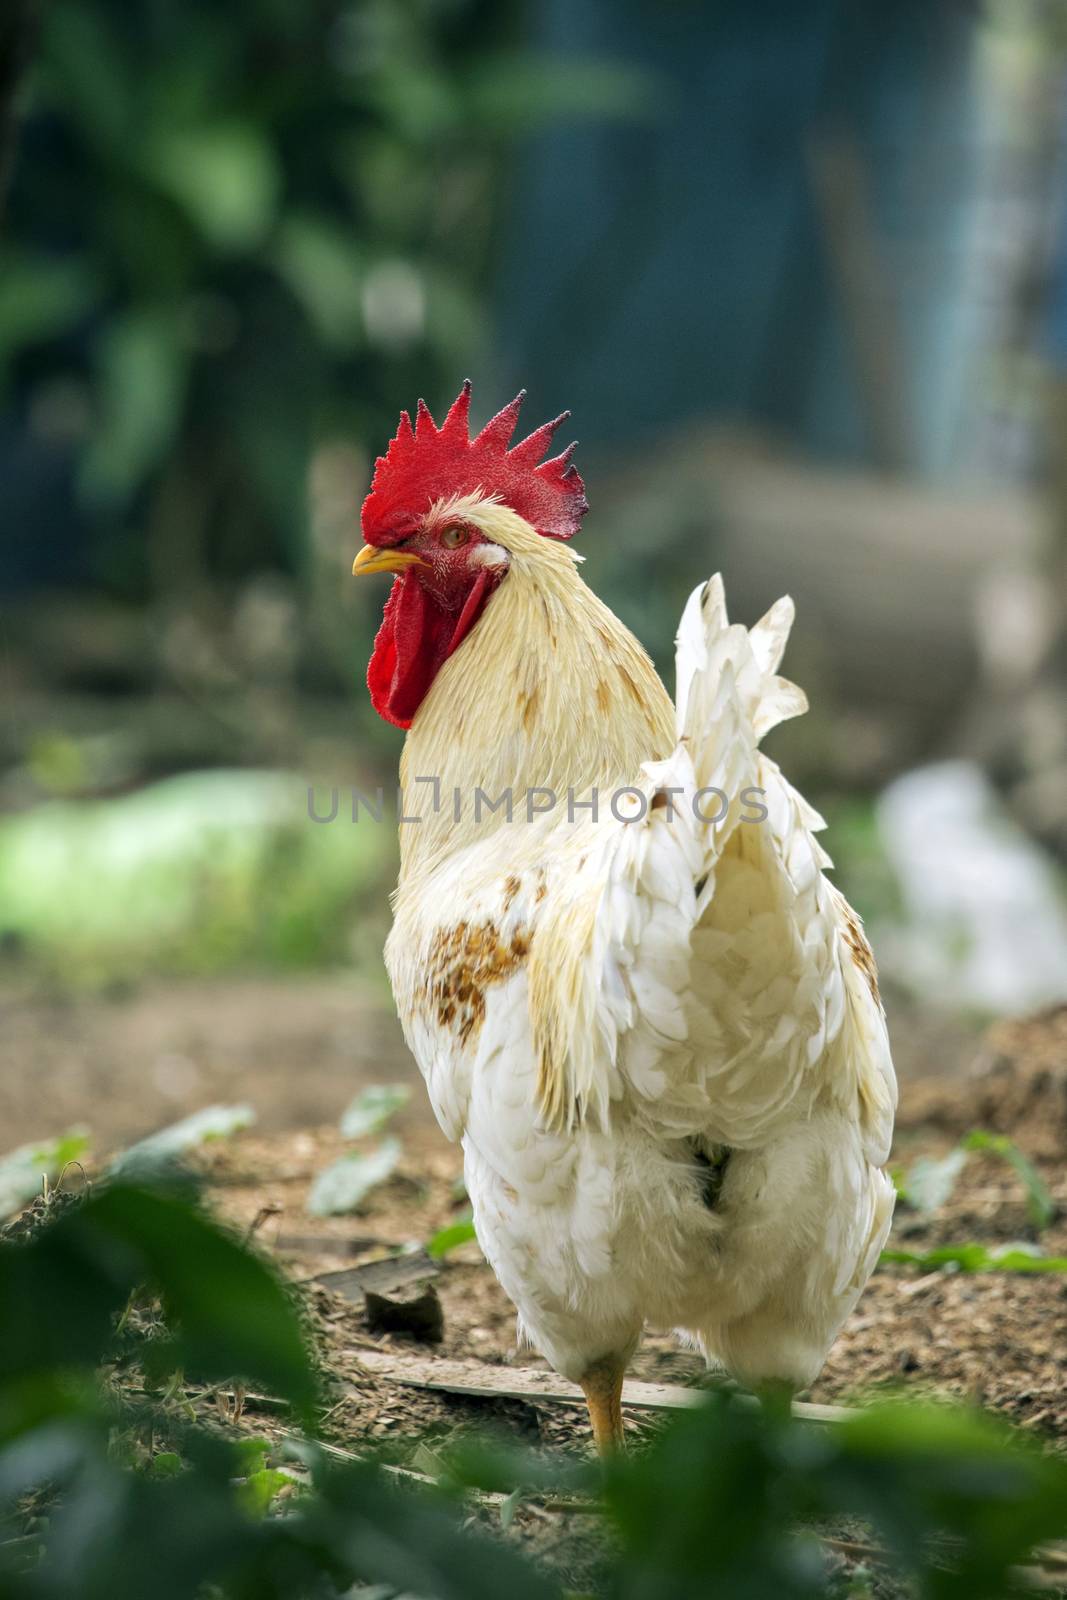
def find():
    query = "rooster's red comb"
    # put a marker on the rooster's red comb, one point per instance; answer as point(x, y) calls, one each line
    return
point(427, 463)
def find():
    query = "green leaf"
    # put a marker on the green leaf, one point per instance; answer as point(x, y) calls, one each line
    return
point(929, 1181)
point(24, 1169)
point(251, 1455)
point(414, 1543)
point(418, 102)
point(258, 1490)
point(513, 92)
point(712, 1506)
point(142, 364)
point(225, 176)
point(39, 299)
point(450, 1238)
point(322, 264)
point(509, 1506)
point(344, 1185)
point(1040, 1206)
point(428, 1462)
point(159, 1149)
point(165, 1464)
point(87, 77)
point(977, 1258)
point(373, 1108)
point(231, 1315)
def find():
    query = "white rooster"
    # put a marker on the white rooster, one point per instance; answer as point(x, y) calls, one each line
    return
point(635, 998)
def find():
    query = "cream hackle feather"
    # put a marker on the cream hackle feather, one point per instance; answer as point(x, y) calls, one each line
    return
point(550, 691)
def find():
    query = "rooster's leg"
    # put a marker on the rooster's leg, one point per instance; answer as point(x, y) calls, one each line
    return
point(602, 1386)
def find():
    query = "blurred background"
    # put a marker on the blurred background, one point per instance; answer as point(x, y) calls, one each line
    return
point(801, 275)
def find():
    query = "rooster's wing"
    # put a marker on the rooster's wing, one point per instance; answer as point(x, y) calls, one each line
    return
point(702, 966)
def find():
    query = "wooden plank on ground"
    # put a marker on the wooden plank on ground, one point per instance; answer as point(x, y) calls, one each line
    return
point(378, 1277)
point(478, 1380)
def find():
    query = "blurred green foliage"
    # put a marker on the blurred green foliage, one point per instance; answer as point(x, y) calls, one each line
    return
point(102, 1251)
point(108, 1492)
point(108, 1489)
point(198, 873)
point(342, 1187)
point(238, 232)
point(730, 1485)
point(862, 868)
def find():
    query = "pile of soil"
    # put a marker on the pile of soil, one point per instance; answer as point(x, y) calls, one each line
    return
point(1015, 1084)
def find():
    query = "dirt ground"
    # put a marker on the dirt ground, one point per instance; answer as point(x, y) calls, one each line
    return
point(300, 1051)
point(995, 1339)
point(129, 1061)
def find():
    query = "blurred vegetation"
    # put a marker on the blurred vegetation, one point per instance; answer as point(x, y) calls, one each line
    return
point(239, 236)
point(236, 241)
point(112, 1304)
point(200, 873)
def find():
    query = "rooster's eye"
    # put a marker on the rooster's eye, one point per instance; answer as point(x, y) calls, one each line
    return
point(453, 537)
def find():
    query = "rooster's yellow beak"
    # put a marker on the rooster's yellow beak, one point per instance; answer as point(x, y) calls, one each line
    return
point(371, 559)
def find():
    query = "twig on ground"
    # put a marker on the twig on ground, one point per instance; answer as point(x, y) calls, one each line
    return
point(478, 1380)
point(271, 1209)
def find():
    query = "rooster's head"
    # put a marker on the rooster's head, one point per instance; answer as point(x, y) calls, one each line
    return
point(447, 514)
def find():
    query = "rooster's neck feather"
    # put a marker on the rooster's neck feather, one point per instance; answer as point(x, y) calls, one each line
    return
point(549, 690)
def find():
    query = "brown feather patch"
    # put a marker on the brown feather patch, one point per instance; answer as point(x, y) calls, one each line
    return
point(862, 954)
point(464, 961)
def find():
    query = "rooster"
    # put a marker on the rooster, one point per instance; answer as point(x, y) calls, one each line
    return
point(635, 998)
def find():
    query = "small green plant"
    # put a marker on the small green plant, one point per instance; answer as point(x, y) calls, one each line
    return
point(953, 1500)
point(1040, 1206)
point(450, 1238)
point(976, 1257)
point(930, 1181)
point(730, 1501)
point(109, 1492)
point(344, 1185)
point(25, 1170)
point(160, 1150)
point(373, 1108)
point(228, 1313)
